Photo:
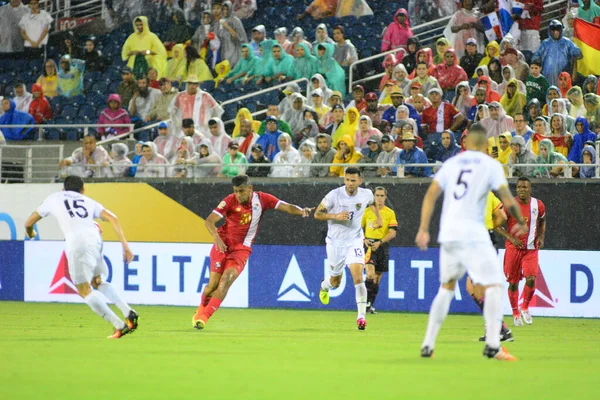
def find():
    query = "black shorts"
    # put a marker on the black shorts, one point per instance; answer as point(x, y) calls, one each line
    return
point(380, 258)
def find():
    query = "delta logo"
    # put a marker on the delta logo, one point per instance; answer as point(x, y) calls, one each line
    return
point(542, 297)
point(62, 283)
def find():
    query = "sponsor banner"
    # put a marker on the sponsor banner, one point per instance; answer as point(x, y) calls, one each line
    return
point(66, 24)
point(11, 271)
point(161, 273)
point(290, 277)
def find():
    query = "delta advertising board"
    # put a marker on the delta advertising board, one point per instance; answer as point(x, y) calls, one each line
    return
point(290, 277)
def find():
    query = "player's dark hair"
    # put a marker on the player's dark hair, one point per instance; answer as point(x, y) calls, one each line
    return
point(73, 184)
point(478, 129)
point(352, 171)
point(380, 188)
point(240, 180)
point(524, 178)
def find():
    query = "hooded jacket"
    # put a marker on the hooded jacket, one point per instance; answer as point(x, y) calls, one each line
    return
point(486, 60)
point(495, 127)
point(491, 95)
point(289, 156)
point(334, 74)
point(593, 80)
point(588, 172)
point(567, 76)
point(145, 40)
point(360, 140)
point(449, 76)
point(210, 158)
point(439, 56)
point(410, 59)
point(502, 87)
point(322, 157)
point(118, 116)
point(247, 65)
point(285, 64)
point(16, 117)
point(516, 103)
point(579, 140)
point(556, 55)
point(524, 156)
point(120, 163)
point(552, 157)
point(324, 89)
point(39, 107)
point(179, 31)
point(176, 66)
point(397, 35)
point(144, 171)
point(305, 66)
point(444, 153)
point(270, 141)
point(244, 113)
point(352, 157)
point(230, 45)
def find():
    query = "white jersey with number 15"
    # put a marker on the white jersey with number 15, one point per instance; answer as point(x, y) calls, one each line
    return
point(337, 201)
point(75, 214)
point(466, 179)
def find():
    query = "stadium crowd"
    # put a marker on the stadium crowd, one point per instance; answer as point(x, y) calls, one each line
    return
point(524, 89)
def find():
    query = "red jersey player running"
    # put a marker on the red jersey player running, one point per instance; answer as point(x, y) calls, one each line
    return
point(242, 211)
point(521, 256)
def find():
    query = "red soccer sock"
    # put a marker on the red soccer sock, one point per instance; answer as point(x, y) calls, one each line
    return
point(203, 303)
point(213, 305)
point(527, 296)
point(513, 297)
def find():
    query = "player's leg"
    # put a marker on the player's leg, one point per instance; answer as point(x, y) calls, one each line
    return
point(336, 259)
point(512, 271)
point(370, 283)
point(231, 273)
point(375, 292)
point(381, 260)
point(530, 270)
point(356, 270)
point(477, 293)
point(451, 270)
point(211, 286)
point(217, 265)
point(108, 290)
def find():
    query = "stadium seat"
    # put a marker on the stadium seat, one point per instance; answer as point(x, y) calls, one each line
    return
point(52, 134)
point(69, 112)
point(88, 113)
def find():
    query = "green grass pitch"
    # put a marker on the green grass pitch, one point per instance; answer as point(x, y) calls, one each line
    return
point(60, 351)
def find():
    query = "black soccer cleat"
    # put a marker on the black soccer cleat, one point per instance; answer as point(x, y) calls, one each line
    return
point(507, 336)
point(427, 352)
point(132, 320)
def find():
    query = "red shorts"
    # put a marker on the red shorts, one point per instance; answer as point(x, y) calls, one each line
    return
point(519, 264)
point(235, 257)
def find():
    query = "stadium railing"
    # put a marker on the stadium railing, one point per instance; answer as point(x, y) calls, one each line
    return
point(84, 127)
point(29, 164)
point(430, 31)
point(68, 14)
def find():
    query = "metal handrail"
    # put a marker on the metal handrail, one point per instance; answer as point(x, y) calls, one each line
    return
point(95, 7)
point(270, 89)
point(85, 127)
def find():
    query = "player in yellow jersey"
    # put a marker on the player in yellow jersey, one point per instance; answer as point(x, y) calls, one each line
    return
point(495, 217)
point(377, 244)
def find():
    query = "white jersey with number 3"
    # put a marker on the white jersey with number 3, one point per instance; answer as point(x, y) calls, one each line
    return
point(466, 179)
point(337, 201)
point(75, 214)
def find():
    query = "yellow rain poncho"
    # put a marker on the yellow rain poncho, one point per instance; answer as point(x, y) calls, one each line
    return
point(176, 65)
point(222, 69)
point(244, 113)
point(144, 41)
point(347, 127)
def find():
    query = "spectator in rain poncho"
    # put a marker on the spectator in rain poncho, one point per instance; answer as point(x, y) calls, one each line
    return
point(247, 137)
point(206, 41)
point(179, 31)
point(482, 113)
point(583, 135)
point(279, 67)
point(400, 76)
point(113, 114)
point(89, 160)
point(486, 83)
point(269, 140)
point(70, 76)
point(549, 156)
point(120, 164)
point(559, 106)
point(231, 33)
point(590, 85)
point(184, 160)
point(447, 147)
point(12, 116)
point(344, 51)
point(498, 122)
point(349, 126)
point(307, 154)
point(389, 64)
point(285, 103)
point(305, 64)
point(176, 66)
point(297, 37)
point(244, 8)
point(321, 36)
point(318, 82)
point(22, 97)
point(492, 50)
point(245, 68)
point(575, 97)
point(588, 10)
point(206, 155)
point(10, 33)
point(463, 100)
point(441, 46)
point(294, 115)
point(588, 156)
point(564, 84)
point(143, 49)
point(328, 67)
point(287, 155)
point(218, 138)
point(514, 101)
point(152, 164)
point(556, 53)
point(39, 107)
point(592, 107)
point(398, 32)
point(282, 38)
point(463, 26)
point(449, 73)
point(166, 143)
point(346, 154)
point(244, 113)
point(365, 132)
point(508, 73)
point(423, 55)
point(196, 66)
point(521, 154)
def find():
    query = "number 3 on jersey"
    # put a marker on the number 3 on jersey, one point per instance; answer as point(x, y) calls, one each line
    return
point(460, 193)
point(77, 209)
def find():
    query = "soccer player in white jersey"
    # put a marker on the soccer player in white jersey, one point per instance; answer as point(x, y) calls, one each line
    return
point(465, 245)
point(343, 209)
point(75, 214)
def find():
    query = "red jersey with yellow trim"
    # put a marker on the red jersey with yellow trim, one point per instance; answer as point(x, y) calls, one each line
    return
point(242, 220)
point(533, 213)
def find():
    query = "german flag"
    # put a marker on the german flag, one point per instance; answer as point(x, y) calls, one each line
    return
point(587, 38)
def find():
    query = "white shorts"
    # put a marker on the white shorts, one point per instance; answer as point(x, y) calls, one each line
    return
point(478, 259)
point(86, 262)
point(340, 254)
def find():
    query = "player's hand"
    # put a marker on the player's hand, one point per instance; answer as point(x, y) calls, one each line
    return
point(306, 212)
point(519, 229)
point(540, 243)
point(517, 243)
point(422, 240)
point(343, 216)
point(221, 246)
point(127, 255)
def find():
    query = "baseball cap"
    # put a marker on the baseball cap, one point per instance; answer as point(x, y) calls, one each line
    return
point(163, 125)
point(471, 41)
point(259, 28)
point(371, 96)
point(396, 90)
point(126, 70)
point(436, 90)
point(257, 147)
point(271, 118)
point(337, 107)
point(372, 140)
point(336, 93)
point(415, 85)
point(317, 92)
point(358, 87)
point(387, 138)
point(233, 145)
point(187, 123)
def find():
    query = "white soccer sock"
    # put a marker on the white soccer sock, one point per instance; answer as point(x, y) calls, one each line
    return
point(492, 313)
point(437, 315)
point(361, 299)
point(111, 293)
point(326, 284)
point(103, 310)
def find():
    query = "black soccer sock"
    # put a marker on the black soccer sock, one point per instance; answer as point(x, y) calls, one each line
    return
point(478, 302)
point(375, 291)
point(369, 285)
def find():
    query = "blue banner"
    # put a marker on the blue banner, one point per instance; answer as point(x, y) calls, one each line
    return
point(290, 277)
point(11, 270)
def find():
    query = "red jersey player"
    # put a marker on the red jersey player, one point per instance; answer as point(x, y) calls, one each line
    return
point(242, 211)
point(521, 256)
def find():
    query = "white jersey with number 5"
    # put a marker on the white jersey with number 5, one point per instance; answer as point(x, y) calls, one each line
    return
point(337, 201)
point(466, 179)
point(75, 214)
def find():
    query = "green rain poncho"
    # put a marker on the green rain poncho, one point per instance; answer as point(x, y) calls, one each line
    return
point(247, 65)
point(284, 65)
point(552, 157)
point(335, 76)
point(305, 66)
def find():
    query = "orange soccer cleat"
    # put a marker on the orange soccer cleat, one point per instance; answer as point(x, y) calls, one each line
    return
point(199, 321)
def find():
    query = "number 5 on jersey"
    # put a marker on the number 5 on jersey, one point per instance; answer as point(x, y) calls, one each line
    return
point(77, 209)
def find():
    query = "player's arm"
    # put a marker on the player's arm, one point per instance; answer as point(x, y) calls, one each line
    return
point(542, 233)
point(294, 209)
point(499, 217)
point(211, 225)
point(108, 216)
point(31, 221)
point(509, 202)
point(433, 193)
point(379, 221)
point(322, 215)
